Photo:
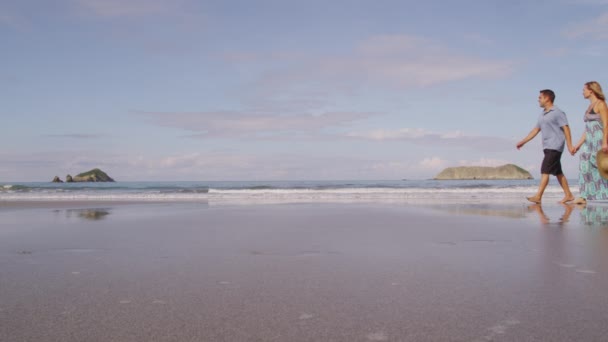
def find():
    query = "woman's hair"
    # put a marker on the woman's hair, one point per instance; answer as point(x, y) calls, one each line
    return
point(596, 89)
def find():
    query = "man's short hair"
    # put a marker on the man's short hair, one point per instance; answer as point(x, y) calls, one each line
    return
point(549, 93)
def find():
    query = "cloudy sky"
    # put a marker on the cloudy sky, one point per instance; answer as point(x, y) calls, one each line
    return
point(287, 90)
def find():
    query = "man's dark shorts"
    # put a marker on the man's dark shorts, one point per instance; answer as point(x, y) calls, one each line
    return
point(552, 164)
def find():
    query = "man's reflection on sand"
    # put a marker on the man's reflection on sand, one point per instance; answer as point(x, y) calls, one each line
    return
point(508, 211)
point(544, 218)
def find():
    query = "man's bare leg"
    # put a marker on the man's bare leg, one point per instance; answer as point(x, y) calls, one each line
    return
point(567, 211)
point(541, 214)
point(564, 183)
point(544, 180)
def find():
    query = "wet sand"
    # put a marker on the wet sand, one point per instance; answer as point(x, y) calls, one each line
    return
point(302, 272)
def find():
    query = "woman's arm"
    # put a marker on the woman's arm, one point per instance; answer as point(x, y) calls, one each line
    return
point(580, 143)
point(602, 109)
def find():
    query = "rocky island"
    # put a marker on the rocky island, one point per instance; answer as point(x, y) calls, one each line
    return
point(509, 171)
point(95, 175)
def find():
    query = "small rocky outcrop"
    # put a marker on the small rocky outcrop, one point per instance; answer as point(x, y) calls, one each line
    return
point(95, 175)
point(509, 171)
point(57, 180)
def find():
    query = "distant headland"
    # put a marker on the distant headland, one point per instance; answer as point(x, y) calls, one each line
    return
point(95, 175)
point(508, 171)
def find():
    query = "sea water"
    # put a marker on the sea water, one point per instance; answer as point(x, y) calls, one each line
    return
point(243, 191)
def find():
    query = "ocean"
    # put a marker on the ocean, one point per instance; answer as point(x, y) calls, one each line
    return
point(244, 191)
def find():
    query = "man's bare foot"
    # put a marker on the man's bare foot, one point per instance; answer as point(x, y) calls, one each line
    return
point(533, 199)
point(580, 200)
point(567, 199)
point(535, 207)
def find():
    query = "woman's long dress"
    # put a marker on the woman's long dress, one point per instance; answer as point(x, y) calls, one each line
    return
point(592, 185)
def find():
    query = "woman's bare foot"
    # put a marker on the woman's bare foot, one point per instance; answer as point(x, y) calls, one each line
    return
point(567, 199)
point(581, 206)
point(533, 199)
point(579, 200)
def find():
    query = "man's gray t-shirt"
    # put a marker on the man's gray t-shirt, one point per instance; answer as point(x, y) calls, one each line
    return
point(550, 124)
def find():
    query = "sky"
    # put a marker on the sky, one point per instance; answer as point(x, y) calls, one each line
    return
point(192, 90)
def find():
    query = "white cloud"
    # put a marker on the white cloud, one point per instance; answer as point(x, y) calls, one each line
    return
point(220, 166)
point(398, 134)
point(280, 103)
point(236, 165)
point(243, 125)
point(240, 125)
point(484, 162)
point(13, 20)
point(434, 163)
point(558, 52)
point(405, 61)
point(119, 8)
point(431, 138)
point(79, 136)
point(199, 161)
point(587, 2)
point(452, 135)
point(212, 165)
point(394, 62)
point(480, 39)
point(596, 28)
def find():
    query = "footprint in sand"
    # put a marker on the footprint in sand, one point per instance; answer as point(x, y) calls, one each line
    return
point(306, 316)
point(499, 329)
point(578, 270)
point(377, 336)
point(125, 301)
point(158, 301)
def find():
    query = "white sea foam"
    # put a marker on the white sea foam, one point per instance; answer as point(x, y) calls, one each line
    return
point(287, 195)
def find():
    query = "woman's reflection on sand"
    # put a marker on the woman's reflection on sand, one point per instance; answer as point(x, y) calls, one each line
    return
point(590, 214)
point(594, 214)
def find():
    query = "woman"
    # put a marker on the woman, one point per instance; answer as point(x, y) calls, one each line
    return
point(592, 185)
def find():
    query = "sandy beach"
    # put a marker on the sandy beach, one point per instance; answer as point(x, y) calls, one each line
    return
point(108, 271)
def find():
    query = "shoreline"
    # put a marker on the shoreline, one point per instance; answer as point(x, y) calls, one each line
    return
point(300, 272)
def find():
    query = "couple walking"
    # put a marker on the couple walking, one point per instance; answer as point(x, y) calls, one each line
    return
point(553, 125)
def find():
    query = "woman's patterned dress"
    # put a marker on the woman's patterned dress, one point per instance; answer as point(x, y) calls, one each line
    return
point(592, 185)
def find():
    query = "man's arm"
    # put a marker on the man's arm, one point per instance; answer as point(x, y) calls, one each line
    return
point(568, 136)
point(530, 136)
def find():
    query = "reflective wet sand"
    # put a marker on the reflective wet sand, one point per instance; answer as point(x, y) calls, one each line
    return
point(303, 272)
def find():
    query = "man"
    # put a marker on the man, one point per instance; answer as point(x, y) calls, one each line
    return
point(553, 125)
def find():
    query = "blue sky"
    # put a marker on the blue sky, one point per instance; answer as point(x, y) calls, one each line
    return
point(276, 90)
